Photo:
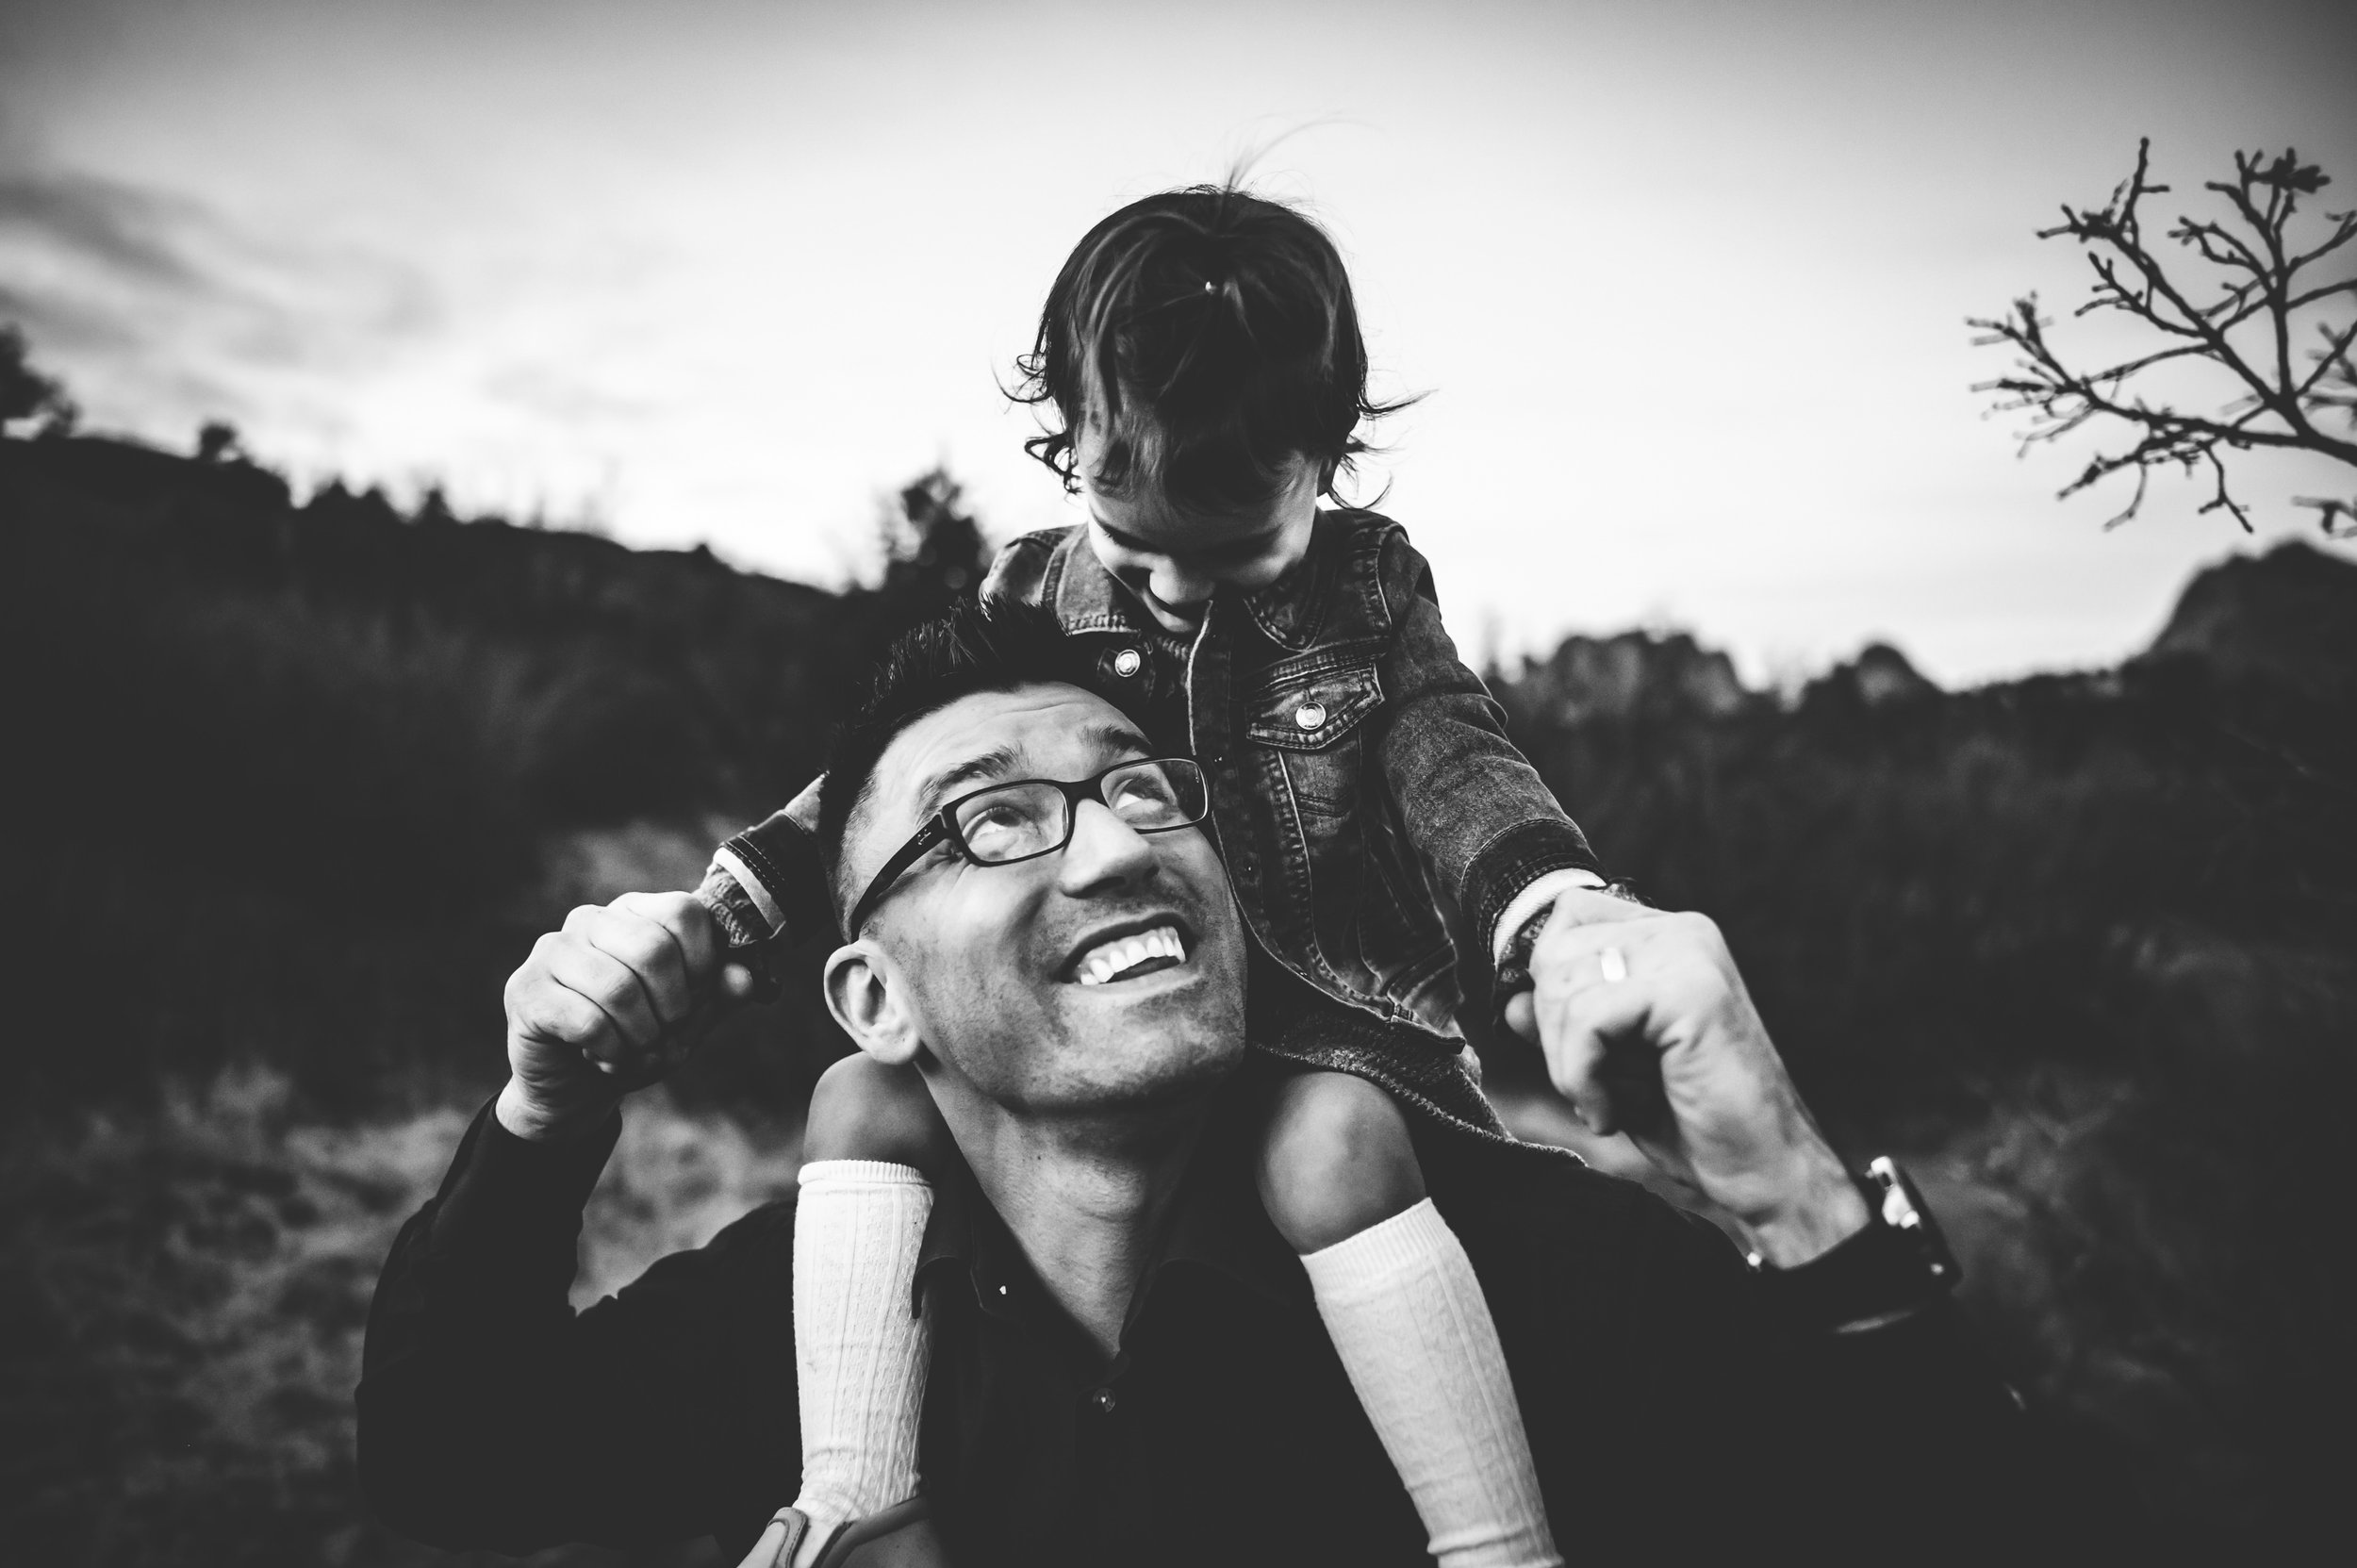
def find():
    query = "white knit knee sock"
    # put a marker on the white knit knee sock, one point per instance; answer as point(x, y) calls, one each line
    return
point(860, 1356)
point(1408, 1317)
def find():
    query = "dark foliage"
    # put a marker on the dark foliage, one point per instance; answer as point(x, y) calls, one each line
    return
point(27, 394)
point(933, 551)
point(2083, 947)
point(297, 773)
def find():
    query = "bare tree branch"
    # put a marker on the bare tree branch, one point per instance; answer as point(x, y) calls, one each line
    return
point(2252, 279)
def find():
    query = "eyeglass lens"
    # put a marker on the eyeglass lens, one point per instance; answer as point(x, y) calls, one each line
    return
point(1034, 818)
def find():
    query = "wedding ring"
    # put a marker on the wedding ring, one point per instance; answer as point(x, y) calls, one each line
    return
point(1615, 967)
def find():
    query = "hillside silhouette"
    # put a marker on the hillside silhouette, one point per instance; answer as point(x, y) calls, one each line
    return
point(300, 780)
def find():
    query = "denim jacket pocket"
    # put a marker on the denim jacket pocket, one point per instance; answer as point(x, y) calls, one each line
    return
point(1308, 711)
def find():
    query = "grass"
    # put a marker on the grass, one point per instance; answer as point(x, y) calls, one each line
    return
point(185, 1297)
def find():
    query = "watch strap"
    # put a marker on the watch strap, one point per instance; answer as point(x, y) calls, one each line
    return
point(1899, 1263)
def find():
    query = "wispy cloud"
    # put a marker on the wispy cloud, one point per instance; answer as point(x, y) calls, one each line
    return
point(164, 311)
point(128, 230)
point(55, 324)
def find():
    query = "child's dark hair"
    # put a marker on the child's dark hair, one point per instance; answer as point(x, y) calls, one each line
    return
point(973, 646)
point(1211, 336)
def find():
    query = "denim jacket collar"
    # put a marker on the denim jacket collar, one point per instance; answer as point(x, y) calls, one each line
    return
point(1087, 598)
point(1291, 612)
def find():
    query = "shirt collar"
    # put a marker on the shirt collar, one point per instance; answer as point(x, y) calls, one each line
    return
point(1216, 1224)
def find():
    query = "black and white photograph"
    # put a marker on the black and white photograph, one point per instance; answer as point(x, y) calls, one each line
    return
point(1519, 784)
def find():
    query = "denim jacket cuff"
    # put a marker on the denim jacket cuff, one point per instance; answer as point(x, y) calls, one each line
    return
point(766, 889)
point(1537, 899)
point(1512, 861)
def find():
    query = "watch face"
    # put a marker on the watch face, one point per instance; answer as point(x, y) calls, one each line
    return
point(1903, 1209)
point(1892, 1268)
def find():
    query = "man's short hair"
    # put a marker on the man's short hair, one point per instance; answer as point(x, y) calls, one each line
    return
point(972, 647)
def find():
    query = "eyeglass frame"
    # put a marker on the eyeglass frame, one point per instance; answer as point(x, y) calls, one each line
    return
point(942, 827)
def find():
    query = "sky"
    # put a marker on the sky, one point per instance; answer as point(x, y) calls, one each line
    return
point(1683, 285)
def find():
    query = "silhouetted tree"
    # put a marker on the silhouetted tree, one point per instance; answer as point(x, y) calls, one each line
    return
point(934, 549)
point(217, 442)
point(2248, 315)
point(27, 394)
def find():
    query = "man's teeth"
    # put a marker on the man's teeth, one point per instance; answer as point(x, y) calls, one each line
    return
point(1111, 959)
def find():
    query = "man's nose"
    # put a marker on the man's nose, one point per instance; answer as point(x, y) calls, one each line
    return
point(1105, 852)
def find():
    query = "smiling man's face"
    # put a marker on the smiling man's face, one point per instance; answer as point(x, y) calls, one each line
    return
point(1049, 985)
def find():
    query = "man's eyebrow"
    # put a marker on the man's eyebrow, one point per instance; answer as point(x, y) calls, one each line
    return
point(1000, 761)
point(996, 763)
point(1109, 736)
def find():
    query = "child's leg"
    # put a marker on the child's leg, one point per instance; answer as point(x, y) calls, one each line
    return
point(860, 1355)
point(863, 1110)
point(1399, 1299)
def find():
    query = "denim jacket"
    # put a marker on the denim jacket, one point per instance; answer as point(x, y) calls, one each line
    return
point(1361, 784)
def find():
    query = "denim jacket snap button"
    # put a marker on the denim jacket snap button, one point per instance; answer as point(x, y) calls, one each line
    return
point(1128, 662)
point(1310, 715)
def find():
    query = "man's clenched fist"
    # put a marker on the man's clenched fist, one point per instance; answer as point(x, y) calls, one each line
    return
point(609, 1004)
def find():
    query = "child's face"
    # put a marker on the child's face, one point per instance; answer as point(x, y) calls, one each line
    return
point(1170, 560)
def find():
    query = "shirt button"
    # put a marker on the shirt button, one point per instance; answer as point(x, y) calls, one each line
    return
point(1310, 715)
point(1101, 1401)
point(1128, 662)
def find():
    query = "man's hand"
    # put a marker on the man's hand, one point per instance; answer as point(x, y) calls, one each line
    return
point(1648, 1030)
point(609, 1004)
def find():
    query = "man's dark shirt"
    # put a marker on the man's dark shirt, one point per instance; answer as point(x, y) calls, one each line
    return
point(1668, 1411)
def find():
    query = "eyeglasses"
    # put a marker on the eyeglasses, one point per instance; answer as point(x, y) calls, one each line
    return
point(1030, 817)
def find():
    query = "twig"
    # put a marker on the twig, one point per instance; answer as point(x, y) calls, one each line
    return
point(2261, 283)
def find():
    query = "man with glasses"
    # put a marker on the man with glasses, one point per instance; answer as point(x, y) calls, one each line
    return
point(1126, 1365)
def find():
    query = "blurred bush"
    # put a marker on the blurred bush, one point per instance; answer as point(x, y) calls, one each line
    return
point(2084, 950)
point(300, 783)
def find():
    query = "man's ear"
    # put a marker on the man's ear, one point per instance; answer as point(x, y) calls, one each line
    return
point(867, 997)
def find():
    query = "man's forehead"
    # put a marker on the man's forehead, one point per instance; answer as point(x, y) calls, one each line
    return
point(1031, 732)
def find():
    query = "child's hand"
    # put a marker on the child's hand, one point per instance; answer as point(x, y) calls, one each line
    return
point(1576, 906)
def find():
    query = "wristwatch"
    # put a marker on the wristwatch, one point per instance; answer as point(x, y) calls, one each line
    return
point(1895, 1267)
